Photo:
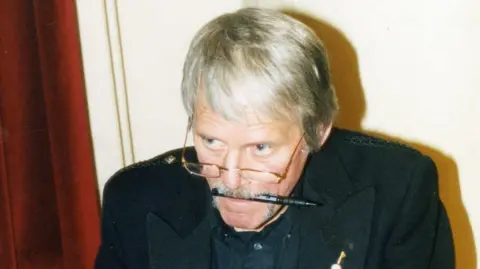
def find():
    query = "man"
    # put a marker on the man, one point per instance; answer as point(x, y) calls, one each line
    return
point(260, 102)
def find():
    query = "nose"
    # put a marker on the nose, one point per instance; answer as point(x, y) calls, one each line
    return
point(231, 178)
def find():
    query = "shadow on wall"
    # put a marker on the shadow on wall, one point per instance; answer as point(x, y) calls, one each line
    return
point(346, 78)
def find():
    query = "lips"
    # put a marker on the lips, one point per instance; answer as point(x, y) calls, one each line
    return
point(234, 201)
point(236, 205)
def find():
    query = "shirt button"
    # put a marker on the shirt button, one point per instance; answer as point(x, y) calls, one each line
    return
point(257, 246)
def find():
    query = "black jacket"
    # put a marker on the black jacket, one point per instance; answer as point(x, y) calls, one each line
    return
point(381, 207)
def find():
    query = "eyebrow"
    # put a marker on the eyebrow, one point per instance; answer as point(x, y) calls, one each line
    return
point(248, 141)
point(206, 135)
point(256, 135)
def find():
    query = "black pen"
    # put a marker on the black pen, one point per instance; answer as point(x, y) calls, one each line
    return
point(266, 198)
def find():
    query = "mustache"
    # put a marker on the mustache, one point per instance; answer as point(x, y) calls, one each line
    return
point(239, 193)
point(262, 197)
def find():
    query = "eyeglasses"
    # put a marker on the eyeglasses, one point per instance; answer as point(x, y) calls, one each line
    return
point(209, 170)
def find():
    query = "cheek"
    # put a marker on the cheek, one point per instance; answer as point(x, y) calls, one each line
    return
point(203, 156)
point(207, 156)
point(213, 182)
point(260, 187)
point(200, 153)
point(293, 176)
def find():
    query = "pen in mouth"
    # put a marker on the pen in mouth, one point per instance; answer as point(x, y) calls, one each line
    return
point(272, 199)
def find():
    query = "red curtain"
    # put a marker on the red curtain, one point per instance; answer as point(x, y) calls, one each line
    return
point(49, 211)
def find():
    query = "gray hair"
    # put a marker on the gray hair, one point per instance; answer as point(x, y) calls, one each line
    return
point(264, 60)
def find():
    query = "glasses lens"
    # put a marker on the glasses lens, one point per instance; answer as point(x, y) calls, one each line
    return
point(259, 176)
point(202, 169)
point(212, 171)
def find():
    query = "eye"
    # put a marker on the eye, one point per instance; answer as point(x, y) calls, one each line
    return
point(262, 149)
point(212, 143)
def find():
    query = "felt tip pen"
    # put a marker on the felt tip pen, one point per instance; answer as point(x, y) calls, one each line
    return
point(273, 199)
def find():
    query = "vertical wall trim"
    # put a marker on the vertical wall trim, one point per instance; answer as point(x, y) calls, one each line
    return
point(119, 80)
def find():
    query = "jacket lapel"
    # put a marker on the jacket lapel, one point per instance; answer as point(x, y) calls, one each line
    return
point(168, 249)
point(343, 223)
point(335, 229)
point(179, 236)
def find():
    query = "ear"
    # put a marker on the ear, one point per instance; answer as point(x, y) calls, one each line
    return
point(324, 133)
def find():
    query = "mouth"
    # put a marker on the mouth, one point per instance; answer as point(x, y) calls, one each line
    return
point(234, 205)
point(231, 196)
point(271, 199)
point(235, 199)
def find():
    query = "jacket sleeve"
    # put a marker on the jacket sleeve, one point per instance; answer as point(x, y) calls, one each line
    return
point(109, 252)
point(421, 237)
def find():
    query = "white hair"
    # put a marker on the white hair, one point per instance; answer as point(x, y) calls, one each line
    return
point(264, 60)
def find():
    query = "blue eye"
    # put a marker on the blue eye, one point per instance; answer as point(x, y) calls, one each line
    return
point(211, 143)
point(262, 149)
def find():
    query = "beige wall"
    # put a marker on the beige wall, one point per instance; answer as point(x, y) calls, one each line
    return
point(409, 70)
point(133, 53)
point(403, 69)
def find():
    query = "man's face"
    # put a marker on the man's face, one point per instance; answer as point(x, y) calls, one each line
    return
point(251, 143)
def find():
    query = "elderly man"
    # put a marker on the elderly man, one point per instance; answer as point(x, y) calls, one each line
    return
point(269, 182)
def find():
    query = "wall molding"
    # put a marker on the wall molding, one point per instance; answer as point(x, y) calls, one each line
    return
point(119, 80)
point(105, 83)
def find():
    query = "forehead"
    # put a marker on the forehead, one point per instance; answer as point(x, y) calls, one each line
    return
point(252, 126)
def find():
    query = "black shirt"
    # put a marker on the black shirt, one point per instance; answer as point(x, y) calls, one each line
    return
point(275, 247)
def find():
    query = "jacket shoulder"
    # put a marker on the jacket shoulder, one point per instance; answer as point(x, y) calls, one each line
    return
point(371, 142)
point(373, 160)
point(167, 158)
point(373, 149)
point(145, 176)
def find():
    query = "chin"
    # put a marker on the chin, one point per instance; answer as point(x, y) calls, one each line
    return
point(246, 215)
point(241, 220)
point(243, 225)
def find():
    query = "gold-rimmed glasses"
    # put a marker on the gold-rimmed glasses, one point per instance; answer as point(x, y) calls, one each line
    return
point(209, 170)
